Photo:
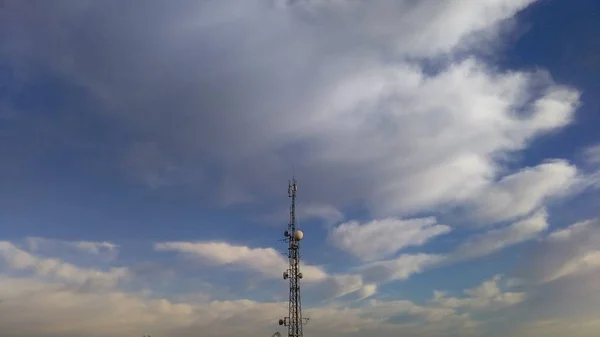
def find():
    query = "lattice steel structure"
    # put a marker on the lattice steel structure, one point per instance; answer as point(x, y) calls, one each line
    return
point(293, 236)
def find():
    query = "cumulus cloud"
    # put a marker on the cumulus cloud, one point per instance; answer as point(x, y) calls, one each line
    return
point(54, 310)
point(380, 239)
point(236, 92)
point(267, 261)
point(251, 88)
point(479, 245)
point(487, 296)
point(271, 264)
point(18, 259)
point(264, 260)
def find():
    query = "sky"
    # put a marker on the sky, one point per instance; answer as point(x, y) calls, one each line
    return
point(447, 154)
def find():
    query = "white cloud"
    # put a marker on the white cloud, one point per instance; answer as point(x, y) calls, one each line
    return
point(328, 213)
point(267, 261)
point(401, 23)
point(365, 124)
point(522, 192)
point(95, 247)
point(571, 231)
point(583, 263)
point(498, 239)
point(19, 259)
point(592, 154)
point(105, 249)
point(334, 286)
point(399, 268)
point(560, 275)
point(568, 300)
point(567, 252)
point(54, 310)
point(271, 264)
point(487, 296)
point(467, 173)
point(405, 265)
point(367, 291)
point(380, 239)
point(12, 288)
point(578, 248)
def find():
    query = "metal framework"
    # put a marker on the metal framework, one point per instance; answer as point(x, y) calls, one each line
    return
point(293, 236)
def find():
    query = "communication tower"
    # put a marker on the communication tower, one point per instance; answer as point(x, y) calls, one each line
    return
point(293, 236)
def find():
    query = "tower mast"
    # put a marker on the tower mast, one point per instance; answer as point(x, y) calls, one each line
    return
point(293, 236)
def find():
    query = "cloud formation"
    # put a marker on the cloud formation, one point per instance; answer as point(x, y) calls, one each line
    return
point(56, 310)
point(399, 268)
point(378, 239)
point(498, 239)
point(19, 259)
point(249, 88)
point(386, 109)
point(569, 252)
point(523, 192)
point(76, 309)
point(102, 249)
point(592, 154)
point(271, 264)
point(487, 296)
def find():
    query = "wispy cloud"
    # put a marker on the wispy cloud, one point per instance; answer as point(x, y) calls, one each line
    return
point(70, 313)
point(19, 259)
point(269, 263)
point(379, 239)
point(498, 239)
point(592, 154)
point(102, 249)
point(487, 296)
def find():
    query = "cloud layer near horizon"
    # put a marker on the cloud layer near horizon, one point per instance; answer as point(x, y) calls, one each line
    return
point(63, 299)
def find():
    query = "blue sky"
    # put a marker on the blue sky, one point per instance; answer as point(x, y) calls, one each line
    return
point(447, 152)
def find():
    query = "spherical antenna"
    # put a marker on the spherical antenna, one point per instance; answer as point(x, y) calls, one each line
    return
point(298, 235)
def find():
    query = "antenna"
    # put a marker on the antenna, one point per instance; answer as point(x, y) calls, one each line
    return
point(293, 236)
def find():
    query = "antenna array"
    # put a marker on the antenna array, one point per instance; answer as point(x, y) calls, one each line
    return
point(293, 236)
